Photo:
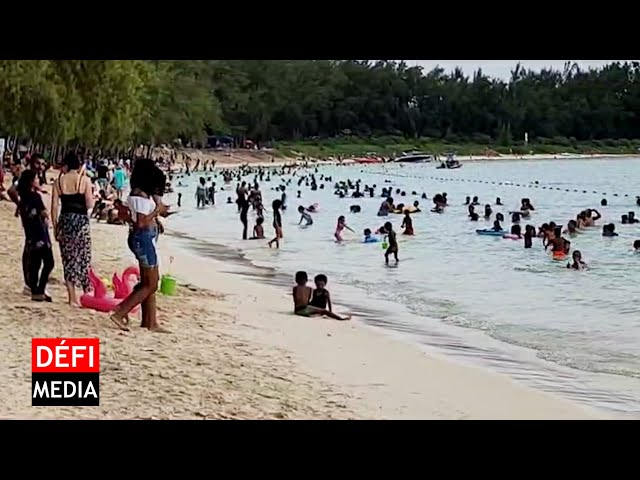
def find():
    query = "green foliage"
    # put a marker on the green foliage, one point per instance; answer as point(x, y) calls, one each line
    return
point(322, 106)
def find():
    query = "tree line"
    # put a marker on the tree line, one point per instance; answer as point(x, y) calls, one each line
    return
point(115, 104)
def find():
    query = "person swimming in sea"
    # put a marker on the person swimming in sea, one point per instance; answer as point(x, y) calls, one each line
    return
point(201, 196)
point(609, 230)
point(591, 218)
point(525, 205)
point(474, 217)
point(393, 243)
point(368, 237)
point(516, 230)
point(577, 264)
point(529, 234)
point(407, 224)
point(632, 217)
point(302, 297)
point(385, 207)
point(475, 201)
point(496, 226)
point(636, 245)
point(342, 225)
point(487, 211)
point(559, 245)
point(498, 201)
point(572, 228)
point(258, 229)
point(304, 217)
point(467, 201)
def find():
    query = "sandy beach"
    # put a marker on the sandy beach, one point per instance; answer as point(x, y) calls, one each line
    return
point(268, 158)
point(236, 351)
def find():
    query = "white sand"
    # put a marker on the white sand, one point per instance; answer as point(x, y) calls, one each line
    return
point(383, 376)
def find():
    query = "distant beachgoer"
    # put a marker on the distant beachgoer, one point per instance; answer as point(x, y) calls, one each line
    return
point(393, 243)
point(529, 233)
point(341, 225)
point(304, 217)
point(385, 207)
point(277, 223)
point(407, 224)
point(368, 237)
point(609, 230)
point(577, 264)
point(119, 180)
point(636, 245)
point(258, 229)
point(498, 201)
point(201, 194)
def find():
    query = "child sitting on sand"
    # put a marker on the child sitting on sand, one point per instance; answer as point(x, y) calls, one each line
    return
point(302, 295)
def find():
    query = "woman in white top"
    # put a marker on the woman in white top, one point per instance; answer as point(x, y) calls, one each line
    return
point(144, 208)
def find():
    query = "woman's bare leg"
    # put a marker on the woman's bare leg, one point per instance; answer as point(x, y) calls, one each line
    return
point(136, 297)
point(71, 294)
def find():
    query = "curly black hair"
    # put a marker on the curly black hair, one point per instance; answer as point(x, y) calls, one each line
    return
point(25, 183)
point(148, 177)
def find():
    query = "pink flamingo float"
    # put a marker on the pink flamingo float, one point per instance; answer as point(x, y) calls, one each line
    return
point(98, 298)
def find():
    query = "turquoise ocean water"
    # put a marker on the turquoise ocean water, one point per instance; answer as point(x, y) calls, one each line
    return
point(482, 300)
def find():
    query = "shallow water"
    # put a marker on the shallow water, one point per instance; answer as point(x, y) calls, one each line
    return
point(484, 299)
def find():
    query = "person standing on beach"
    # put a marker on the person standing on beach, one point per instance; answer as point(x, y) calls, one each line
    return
point(144, 207)
point(119, 180)
point(72, 199)
point(36, 163)
point(36, 229)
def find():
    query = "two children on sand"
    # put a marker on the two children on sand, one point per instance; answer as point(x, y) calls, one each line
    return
point(309, 302)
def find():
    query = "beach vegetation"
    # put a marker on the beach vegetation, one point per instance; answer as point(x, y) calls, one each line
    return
point(318, 107)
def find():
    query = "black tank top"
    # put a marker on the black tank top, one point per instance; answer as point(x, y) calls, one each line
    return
point(72, 202)
point(318, 299)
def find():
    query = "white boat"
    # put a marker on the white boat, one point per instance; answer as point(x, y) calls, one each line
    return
point(414, 158)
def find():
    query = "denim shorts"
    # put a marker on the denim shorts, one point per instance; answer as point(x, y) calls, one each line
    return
point(141, 244)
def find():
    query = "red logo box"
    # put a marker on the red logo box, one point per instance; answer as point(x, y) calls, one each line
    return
point(65, 355)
